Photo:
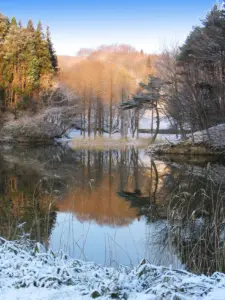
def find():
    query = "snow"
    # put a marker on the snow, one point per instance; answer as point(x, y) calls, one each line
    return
point(65, 293)
point(29, 272)
point(214, 136)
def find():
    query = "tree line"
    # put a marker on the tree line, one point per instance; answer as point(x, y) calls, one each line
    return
point(190, 82)
point(103, 78)
point(194, 76)
point(28, 64)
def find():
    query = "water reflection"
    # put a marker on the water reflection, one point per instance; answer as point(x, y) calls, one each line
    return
point(115, 207)
point(94, 196)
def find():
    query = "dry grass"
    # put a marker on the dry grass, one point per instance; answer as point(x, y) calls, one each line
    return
point(197, 225)
point(103, 143)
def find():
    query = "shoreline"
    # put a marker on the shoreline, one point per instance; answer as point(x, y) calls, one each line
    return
point(33, 271)
point(185, 149)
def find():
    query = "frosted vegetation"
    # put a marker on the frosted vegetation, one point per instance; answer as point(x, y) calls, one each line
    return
point(28, 267)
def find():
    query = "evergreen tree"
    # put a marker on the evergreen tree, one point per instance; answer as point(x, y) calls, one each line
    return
point(27, 61)
point(43, 55)
point(201, 73)
point(33, 68)
point(53, 56)
point(13, 22)
point(4, 26)
point(30, 26)
point(39, 30)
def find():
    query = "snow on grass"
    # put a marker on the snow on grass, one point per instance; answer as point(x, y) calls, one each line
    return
point(214, 136)
point(29, 272)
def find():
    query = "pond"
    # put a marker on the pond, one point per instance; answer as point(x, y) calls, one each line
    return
point(116, 207)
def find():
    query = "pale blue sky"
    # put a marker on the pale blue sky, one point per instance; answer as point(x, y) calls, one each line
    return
point(146, 24)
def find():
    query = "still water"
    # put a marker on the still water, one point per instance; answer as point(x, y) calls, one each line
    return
point(112, 207)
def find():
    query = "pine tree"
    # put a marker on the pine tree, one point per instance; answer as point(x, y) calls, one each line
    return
point(12, 48)
point(30, 26)
point(53, 56)
point(13, 22)
point(39, 30)
point(33, 68)
point(44, 59)
point(4, 26)
point(201, 73)
point(27, 62)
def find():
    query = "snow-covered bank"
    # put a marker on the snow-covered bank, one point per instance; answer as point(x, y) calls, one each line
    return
point(32, 273)
point(214, 137)
point(205, 142)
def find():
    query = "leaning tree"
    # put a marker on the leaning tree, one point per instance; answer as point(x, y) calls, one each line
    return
point(148, 98)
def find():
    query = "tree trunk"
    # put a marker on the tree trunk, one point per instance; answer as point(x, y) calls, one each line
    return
point(81, 123)
point(96, 119)
point(84, 119)
point(137, 122)
point(110, 106)
point(89, 115)
point(102, 129)
point(152, 122)
point(157, 123)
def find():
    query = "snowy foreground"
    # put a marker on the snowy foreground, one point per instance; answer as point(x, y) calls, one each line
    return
point(29, 272)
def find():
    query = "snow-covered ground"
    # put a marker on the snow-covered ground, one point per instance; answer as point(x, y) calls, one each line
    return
point(32, 273)
point(214, 136)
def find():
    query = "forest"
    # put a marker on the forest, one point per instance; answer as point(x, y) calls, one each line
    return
point(195, 75)
point(103, 78)
point(192, 92)
point(28, 64)
point(112, 85)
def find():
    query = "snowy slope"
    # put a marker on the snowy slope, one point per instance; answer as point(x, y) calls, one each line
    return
point(32, 273)
point(214, 136)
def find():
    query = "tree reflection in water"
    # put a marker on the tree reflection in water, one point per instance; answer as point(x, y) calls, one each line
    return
point(116, 188)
